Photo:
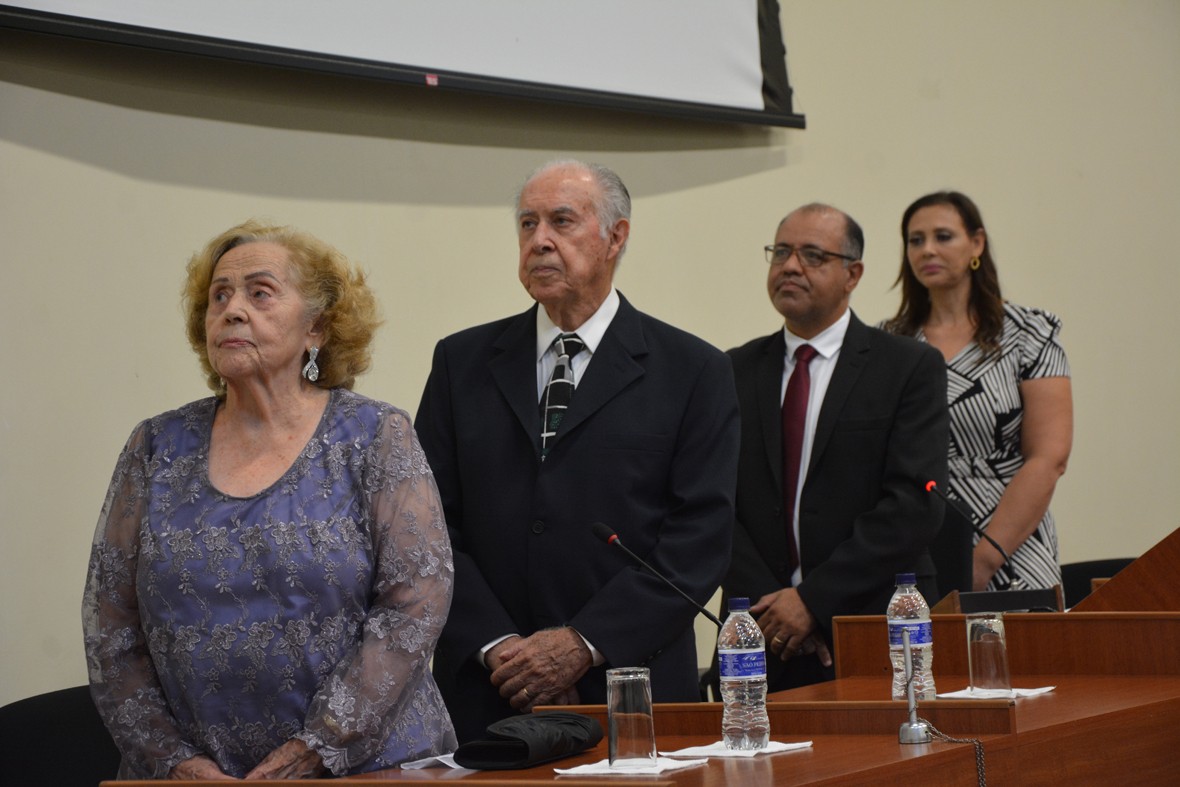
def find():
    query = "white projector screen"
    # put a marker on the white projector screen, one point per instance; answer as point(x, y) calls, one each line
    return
point(711, 59)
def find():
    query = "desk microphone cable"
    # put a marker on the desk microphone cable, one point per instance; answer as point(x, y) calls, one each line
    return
point(980, 768)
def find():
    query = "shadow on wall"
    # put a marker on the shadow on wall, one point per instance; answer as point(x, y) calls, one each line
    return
point(205, 122)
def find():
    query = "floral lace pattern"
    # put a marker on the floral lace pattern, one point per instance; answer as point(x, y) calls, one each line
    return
point(228, 626)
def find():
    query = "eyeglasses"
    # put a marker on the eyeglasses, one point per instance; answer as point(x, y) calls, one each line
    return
point(811, 256)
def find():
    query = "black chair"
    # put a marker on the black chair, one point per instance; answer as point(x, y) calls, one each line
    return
point(56, 739)
point(1075, 577)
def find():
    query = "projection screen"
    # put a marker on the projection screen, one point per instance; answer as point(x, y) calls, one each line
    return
point(709, 59)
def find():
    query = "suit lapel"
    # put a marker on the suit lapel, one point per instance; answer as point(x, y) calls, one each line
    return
point(613, 367)
point(770, 409)
point(514, 369)
point(854, 354)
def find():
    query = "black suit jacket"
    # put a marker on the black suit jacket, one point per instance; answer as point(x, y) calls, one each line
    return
point(864, 514)
point(648, 446)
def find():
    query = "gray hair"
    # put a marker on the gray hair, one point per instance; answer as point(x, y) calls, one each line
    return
point(611, 204)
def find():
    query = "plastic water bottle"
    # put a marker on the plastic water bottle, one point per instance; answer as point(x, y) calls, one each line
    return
point(741, 654)
point(908, 611)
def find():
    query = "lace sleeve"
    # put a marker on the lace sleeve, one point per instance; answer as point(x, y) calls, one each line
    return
point(123, 677)
point(362, 702)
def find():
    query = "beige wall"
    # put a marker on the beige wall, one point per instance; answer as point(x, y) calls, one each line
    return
point(1061, 117)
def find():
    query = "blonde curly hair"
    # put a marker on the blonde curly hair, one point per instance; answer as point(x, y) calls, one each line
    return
point(333, 291)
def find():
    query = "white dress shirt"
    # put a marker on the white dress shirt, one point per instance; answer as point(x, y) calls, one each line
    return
point(827, 345)
point(590, 332)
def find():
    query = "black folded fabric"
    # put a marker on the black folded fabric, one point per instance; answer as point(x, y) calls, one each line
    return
point(530, 739)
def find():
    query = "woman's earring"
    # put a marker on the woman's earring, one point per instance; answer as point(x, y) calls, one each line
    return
point(312, 372)
point(974, 263)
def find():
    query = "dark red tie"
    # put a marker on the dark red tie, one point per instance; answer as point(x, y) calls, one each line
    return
point(794, 422)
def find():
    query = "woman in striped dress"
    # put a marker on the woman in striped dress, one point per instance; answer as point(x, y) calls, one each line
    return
point(1008, 388)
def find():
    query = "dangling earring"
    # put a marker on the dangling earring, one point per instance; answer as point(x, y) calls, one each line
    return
point(974, 263)
point(311, 371)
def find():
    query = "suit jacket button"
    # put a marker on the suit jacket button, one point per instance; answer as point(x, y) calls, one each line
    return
point(538, 527)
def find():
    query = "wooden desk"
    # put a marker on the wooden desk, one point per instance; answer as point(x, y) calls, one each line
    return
point(1091, 729)
point(1147, 584)
point(1114, 717)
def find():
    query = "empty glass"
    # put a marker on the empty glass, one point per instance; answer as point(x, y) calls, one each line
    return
point(631, 735)
point(987, 652)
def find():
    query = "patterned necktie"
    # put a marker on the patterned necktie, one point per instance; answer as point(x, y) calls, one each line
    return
point(560, 389)
point(794, 422)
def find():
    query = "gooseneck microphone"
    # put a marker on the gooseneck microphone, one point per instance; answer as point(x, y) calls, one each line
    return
point(932, 486)
point(604, 532)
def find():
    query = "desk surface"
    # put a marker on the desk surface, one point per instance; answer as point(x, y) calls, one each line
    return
point(1091, 729)
point(833, 759)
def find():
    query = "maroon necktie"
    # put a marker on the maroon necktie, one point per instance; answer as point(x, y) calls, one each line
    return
point(794, 422)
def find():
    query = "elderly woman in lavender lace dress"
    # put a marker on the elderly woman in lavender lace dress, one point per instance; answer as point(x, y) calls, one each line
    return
point(271, 568)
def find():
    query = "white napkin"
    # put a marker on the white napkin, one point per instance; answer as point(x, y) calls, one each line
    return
point(994, 694)
point(447, 760)
point(718, 750)
point(602, 767)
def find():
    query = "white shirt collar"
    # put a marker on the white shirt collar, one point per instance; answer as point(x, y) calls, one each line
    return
point(590, 332)
point(827, 342)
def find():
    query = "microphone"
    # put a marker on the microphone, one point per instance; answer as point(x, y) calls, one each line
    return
point(932, 486)
point(603, 532)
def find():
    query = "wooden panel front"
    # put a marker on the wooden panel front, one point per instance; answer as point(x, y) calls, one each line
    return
point(1039, 643)
point(829, 717)
point(1147, 584)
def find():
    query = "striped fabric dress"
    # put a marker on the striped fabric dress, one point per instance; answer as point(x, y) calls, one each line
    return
point(986, 413)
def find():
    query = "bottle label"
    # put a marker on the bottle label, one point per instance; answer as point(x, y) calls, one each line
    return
point(919, 632)
point(742, 664)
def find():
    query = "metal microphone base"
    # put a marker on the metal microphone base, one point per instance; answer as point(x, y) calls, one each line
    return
point(914, 732)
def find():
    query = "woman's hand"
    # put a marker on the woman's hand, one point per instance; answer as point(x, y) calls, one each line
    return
point(197, 768)
point(292, 760)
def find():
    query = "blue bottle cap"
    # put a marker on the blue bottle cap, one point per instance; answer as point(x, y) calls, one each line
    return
point(906, 579)
point(739, 604)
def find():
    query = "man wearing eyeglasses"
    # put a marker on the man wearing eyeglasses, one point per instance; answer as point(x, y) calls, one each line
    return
point(841, 426)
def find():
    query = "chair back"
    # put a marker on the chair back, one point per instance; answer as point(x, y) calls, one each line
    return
point(58, 740)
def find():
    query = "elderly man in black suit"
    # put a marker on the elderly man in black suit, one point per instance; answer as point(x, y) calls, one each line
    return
point(647, 443)
point(841, 426)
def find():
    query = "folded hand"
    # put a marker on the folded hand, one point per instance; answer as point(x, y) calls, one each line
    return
point(541, 669)
point(292, 760)
point(789, 626)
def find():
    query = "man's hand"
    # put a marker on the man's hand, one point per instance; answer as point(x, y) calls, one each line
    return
point(789, 626)
point(815, 643)
point(292, 760)
point(568, 697)
point(199, 768)
point(495, 655)
point(540, 669)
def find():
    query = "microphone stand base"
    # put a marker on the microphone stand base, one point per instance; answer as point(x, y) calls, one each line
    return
point(914, 732)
